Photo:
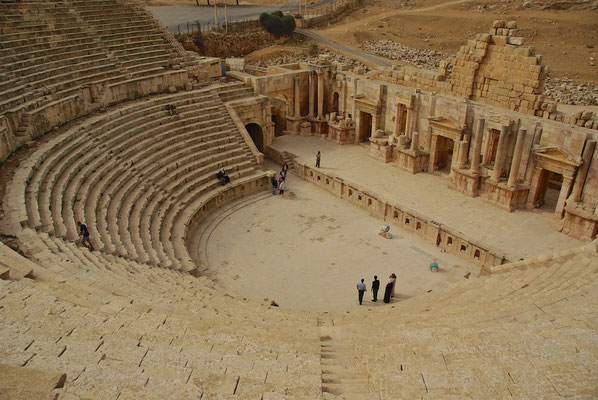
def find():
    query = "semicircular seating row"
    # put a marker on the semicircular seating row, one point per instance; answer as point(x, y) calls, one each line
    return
point(117, 327)
point(52, 49)
point(132, 174)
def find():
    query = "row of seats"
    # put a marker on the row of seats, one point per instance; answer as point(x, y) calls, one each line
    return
point(130, 330)
point(121, 329)
point(52, 49)
point(130, 173)
point(526, 332)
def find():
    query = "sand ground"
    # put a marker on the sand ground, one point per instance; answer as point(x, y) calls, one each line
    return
point(519, 234)
point(308, 249)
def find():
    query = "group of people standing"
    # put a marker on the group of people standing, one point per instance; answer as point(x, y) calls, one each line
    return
point(389, 291)
point(280, 182)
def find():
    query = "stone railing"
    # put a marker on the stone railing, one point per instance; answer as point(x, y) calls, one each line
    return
point(446, 237)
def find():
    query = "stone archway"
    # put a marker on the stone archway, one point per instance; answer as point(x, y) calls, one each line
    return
point(257, 135)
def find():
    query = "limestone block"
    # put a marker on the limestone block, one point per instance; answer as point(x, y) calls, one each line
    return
point(516, 40)
point(511, 25)
point(499, 40)
point(587, 114)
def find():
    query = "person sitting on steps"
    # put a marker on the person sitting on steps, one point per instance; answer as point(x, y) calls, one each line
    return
point(222, 177)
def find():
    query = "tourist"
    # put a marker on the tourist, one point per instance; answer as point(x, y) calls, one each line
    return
point(375, 287)
point(318, 159)
point(285, 167)
point(283, 174)
point(274, 183)
point(394, 283)
point(84, 233)
point(222, 177)
point(171, 109)
point(388, 290)
point(433, 264)
point(281, 186)
point(361, 290)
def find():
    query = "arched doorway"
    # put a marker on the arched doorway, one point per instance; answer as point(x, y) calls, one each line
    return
point(255, 131)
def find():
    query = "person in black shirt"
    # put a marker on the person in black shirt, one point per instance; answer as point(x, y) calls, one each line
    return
point(375, 287)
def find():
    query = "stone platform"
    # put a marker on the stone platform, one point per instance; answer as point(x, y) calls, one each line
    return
point(519, 234)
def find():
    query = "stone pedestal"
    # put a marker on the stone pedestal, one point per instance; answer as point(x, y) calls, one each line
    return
point(294, 124)
point(506, 197)
point(320, 126)
point(580, 221)
point(380, 150)
point(411, 161)
point(465, 181)
point(341, 132)
point(305, 129)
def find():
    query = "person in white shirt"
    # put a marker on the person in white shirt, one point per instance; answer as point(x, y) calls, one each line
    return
point(281, 186)
point(361, 290)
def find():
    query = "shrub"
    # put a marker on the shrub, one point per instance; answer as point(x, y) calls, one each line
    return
point(277, 24)
point(264, 17)
point(288, 24)
point(313, 49)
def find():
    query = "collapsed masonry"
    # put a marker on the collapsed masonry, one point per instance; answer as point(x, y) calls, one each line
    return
point(487, 127)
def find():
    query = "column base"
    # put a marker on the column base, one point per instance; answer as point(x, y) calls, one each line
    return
point(380, 150)
point(294, 124)
point(341, 135)
point(411, 161)
point(466, 182)
point(506, 197)
point(580, 221)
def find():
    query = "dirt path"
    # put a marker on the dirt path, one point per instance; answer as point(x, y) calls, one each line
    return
point(367, 58)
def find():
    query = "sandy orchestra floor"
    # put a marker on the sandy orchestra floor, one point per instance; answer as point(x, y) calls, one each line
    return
point(308, 249)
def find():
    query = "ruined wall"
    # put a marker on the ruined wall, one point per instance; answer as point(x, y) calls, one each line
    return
point(495, 68)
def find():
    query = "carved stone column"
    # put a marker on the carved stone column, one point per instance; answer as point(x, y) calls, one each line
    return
point(516, 158)
point(477, 146)
point(297, 99)
point(397, 120)
point(582, 171)
point(320, 95)
point(415, 142)
point(462, 157)
point(312, 93)
point(565, 189)
point(500, 154)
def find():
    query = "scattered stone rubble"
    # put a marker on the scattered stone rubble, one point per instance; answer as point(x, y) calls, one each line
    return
point(428, 59)
point(565, 91)
point(302, 57)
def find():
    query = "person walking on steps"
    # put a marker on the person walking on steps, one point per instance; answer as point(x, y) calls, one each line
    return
point(361, 290)
point(318, 159)
point(84, 234)
point(375, 287)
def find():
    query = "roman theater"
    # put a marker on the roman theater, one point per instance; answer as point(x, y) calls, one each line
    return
point(200, 289)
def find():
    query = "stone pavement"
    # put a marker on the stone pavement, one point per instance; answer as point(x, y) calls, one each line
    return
point(519, 234)
point(308, 249)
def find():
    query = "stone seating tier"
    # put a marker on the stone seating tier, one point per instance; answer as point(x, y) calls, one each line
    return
point(133, 170)
point(126, 328)
point(90, 288)
point(54, 49)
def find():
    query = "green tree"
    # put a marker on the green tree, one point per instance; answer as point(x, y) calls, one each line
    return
point(277, 24)
point(264, 17)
